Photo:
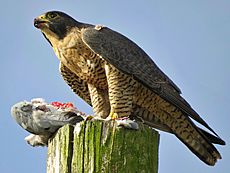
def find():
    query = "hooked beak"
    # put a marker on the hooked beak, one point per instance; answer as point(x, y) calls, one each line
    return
point(41, 22)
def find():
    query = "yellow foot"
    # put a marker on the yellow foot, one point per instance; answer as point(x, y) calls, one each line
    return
point(113, 115)
point(123, 121)
point(89, 117)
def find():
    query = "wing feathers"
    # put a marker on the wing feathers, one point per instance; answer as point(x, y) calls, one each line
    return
point(128, 57)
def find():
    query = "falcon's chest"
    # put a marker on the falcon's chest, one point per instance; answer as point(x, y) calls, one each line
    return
point(75, 55)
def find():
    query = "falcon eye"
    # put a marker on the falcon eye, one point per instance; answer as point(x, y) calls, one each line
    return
point(52, 15)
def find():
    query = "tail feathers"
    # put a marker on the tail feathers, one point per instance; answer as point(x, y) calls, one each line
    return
point(158, 125)
point(199, 141)
point(196, 139)
point(203, 150)
point(206, 152)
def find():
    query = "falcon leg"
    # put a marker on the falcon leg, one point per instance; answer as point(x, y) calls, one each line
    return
point(100, 101)
point(121, 90)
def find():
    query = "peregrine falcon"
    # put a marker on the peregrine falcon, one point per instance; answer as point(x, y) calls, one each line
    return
point(118, 79)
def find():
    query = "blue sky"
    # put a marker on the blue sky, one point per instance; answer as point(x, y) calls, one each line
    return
point(189, 40)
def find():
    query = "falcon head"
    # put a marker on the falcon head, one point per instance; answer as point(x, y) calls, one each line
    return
point(55, 24)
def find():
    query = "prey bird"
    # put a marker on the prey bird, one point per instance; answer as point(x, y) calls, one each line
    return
point(118, 79)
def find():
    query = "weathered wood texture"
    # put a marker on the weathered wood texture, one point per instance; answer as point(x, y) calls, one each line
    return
point(99, 146)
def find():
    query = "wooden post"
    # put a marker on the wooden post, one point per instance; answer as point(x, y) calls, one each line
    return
point(99, 146)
